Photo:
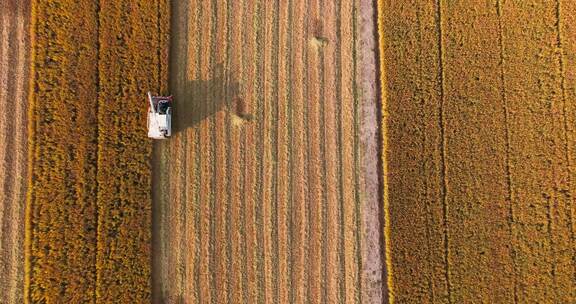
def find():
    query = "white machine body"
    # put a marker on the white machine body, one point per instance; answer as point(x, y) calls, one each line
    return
point(159, 116)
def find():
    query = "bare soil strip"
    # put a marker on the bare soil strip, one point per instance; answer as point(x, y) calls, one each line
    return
point(479, 122)
point(264, 188)
point(14, 66)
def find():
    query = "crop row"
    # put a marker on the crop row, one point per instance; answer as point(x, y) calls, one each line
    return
point(61, 215)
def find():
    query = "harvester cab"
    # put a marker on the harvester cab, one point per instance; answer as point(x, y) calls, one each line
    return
point(159, 116)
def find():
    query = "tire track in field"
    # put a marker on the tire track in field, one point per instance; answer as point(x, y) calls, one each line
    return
point(279, 101)
point(14, 51)
point(567, 111)
point(539, 163)
point(475, 145)
point(414, 141)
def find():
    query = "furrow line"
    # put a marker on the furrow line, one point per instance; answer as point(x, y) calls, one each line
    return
point(191, 289)
point(235, 156)
point(299, 189)
point(175, 215)
point(356, 122)
point(7, 123)
point(331, 200)
point(205, 261)
point(268, 146)
point(228, 82)
point(562, 65)
point(275, 151)
point(340, 143)
point(322, 141)
point(569, 47)
point(211, 71)
point(182, 226)
point(221, 164)
point(512, 221)
point(260, 108)
point(442, 123)
point(242, 103)
point(306, 201)
point(290, 152)
point(196, 261)
point(183, 216)
point(283, 146)
point(251, 144)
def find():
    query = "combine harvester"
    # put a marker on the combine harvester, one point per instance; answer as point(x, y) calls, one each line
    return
point(159, 116)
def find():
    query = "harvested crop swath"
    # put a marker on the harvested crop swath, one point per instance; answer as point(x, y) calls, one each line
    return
point(478, 121)
point(61, 236)
point(262, 192)
point(133, 40)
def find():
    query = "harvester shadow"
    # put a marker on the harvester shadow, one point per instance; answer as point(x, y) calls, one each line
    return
point(196, 100)
point(200, 87)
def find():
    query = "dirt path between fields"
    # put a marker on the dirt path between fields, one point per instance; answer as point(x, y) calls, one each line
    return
point(14, 70)
point(268, 190)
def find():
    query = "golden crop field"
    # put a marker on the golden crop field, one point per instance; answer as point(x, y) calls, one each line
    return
point(479, 132)
point(323, 151)
point(89, 209)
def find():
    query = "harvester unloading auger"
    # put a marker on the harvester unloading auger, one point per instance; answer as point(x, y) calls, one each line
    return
point(159, 116)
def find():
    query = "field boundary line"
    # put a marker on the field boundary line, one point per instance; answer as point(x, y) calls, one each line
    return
point(442, 123)
point(31, 144)
point(562, 65)
point(387, 273)
point(98, 145)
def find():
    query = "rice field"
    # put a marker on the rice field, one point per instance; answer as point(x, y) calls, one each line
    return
point(479, 120)
point(346, 151)
point(89, 206)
